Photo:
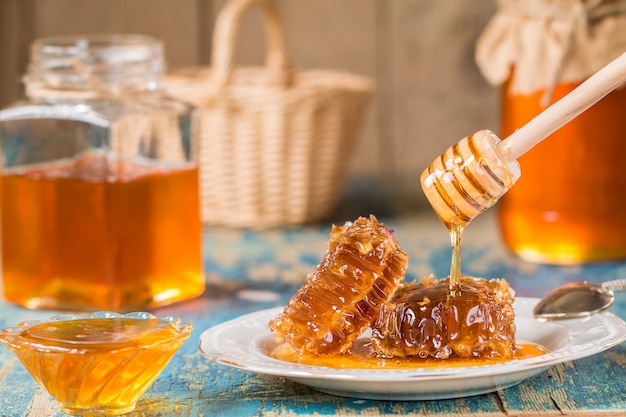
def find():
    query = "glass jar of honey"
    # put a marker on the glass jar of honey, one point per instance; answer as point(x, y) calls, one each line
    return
point(99, 192)
point(567, 206)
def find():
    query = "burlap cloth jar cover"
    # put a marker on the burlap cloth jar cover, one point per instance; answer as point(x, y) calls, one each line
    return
point(272, 143)
point(550, 42)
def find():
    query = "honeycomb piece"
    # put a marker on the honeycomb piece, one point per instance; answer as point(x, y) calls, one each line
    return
point(427, 320)
point(358, 274)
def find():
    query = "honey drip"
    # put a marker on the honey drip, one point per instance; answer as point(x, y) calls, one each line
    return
point(361, 270)
point(456, 232)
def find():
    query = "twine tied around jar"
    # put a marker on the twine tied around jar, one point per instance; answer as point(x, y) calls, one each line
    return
point(151, 124)
point(550, 41)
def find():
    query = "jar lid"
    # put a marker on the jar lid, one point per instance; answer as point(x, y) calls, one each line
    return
point(550, 41)
point(76, 62)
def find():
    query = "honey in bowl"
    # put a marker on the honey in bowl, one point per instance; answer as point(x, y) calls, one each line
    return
point(107, 360)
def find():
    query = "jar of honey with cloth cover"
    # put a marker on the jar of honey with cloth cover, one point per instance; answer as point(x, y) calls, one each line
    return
point(569, 203)
point(99, 191)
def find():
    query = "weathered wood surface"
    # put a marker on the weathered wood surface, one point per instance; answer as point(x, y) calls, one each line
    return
point(277, 261)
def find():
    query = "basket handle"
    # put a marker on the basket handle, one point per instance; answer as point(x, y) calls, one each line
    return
point(225, 38)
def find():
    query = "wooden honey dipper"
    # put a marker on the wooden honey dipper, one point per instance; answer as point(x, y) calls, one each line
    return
point(470, 176)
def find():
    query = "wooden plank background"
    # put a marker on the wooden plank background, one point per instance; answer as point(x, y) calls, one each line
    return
point(419, 52)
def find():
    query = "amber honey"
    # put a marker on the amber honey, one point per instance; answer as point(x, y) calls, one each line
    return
point(99, 365)
point(426, 319)
point(358, 274)
point(363, 357)
point(567, 206)
point(426, 326)
point(95, 233)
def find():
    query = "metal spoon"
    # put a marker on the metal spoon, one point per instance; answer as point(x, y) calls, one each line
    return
point(577, 299)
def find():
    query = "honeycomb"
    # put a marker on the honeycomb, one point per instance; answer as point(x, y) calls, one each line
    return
point(341, 298)
point(428, 320)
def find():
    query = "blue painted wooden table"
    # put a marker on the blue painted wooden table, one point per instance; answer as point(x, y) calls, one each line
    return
point(248, 271)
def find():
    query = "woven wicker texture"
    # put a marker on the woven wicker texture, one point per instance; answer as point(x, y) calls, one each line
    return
point(272, 143)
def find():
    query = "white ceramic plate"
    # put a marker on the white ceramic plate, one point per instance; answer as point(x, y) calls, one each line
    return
point(245, 343)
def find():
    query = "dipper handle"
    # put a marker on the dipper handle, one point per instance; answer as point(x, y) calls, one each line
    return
point(564, 110)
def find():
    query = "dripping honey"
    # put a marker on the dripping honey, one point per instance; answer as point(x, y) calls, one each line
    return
point(90, 233)
point(456, 233)
point(563, 208)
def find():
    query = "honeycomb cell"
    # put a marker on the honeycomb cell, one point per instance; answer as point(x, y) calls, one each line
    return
point(341, 298)
point(426, 319)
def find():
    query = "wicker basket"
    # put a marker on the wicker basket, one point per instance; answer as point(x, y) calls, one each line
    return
point(273, 143)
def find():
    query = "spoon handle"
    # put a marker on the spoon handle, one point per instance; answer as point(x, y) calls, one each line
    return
point(615, 285)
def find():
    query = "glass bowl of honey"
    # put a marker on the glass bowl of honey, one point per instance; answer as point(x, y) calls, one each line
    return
point(99, 363)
